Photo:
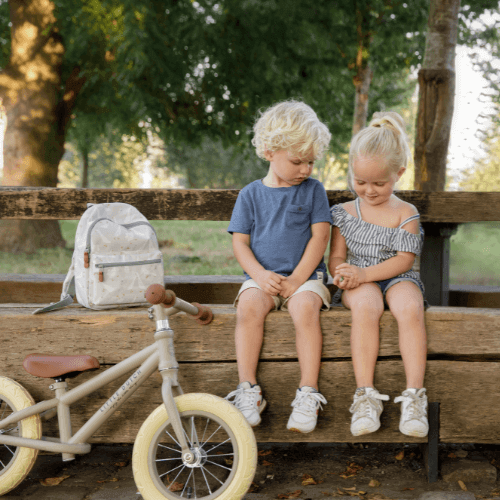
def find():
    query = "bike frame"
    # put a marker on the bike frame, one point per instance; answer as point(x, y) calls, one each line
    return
point(160, 355)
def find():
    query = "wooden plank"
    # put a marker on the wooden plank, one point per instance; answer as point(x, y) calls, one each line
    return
point(472, 419)
point(209, 289)
point(113, 335)
point(46, 288)
point(217, 204)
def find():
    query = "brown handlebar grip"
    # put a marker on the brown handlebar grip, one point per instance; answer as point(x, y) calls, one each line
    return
point(205, 314)
point(156, 294)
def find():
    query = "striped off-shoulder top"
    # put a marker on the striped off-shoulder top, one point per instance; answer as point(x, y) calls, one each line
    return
point(369, 244)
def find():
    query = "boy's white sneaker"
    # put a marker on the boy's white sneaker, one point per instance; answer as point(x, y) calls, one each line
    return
point(366, 410)
point(413, 413)
point(306, 406)
point(248, 399)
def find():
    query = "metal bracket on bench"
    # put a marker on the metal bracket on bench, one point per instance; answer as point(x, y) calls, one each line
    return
point(430, 449)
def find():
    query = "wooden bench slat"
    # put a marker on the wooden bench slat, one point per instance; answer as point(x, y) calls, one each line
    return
point(217, 204)
point(113, 335)
point(474, 422)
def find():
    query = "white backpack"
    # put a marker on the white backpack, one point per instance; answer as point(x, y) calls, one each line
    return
point(116, 258)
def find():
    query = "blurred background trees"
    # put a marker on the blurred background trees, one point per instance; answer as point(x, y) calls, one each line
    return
point(115, 93)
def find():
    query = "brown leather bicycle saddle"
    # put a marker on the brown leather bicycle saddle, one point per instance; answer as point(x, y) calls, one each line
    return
point(49, 366)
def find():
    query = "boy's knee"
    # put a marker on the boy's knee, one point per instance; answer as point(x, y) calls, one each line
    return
point(305, 304)
point(408, 309)
point(253, 304)
point(367, 306)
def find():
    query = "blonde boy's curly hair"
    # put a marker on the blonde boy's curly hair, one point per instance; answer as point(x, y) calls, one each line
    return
point(292, 126)
point(385, 136)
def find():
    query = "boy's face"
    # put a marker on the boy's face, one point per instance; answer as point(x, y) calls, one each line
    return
point(286, 169)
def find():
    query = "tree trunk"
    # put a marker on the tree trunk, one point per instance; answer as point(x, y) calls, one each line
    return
point(436, 96)
point(85, 168)
point(37, 114)
point(362, 83)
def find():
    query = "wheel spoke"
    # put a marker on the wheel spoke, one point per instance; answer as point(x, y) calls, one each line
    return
point(173, 439)
point(187, 482)
point(175, 479)
point(206, 482)
point(222, 455)
point(168, 448)
point(171, 470)
point(215, 477)
point(213, 433)
point(216, 446)
point(220, 465)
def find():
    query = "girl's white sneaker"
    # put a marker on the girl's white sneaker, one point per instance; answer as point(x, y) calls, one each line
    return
point(366, 410)
point(413, 413)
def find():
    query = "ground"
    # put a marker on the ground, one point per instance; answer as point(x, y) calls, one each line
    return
point(301, 471)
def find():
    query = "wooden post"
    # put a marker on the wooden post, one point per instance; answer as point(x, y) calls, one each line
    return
point(435, 262)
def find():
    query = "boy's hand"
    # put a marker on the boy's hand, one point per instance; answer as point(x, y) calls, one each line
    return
point(353, 276)
point(270, 282)
point(289, 286)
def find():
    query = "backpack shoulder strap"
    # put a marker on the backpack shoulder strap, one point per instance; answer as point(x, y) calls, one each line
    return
point(67, 295)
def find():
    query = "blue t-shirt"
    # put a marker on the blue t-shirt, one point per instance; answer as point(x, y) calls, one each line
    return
point(279, 221)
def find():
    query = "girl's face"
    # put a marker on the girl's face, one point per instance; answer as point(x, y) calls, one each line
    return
point(287, 170)
point(372, 180)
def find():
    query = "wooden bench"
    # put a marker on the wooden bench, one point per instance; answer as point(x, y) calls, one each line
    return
point(463, 343)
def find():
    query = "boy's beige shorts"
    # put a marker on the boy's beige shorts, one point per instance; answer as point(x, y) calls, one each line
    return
point(280, 302)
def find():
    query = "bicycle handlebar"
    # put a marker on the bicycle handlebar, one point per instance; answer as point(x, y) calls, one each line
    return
point(156, 294)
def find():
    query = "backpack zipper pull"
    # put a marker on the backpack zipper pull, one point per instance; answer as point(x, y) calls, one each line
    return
point(86, 259)
point(101, 276)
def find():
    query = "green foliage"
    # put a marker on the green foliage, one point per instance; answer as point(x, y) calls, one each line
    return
point(485, 174)
point(211, 166)
point(474, 251)
point(112, 164)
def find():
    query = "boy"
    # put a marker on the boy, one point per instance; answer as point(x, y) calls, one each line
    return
point(280, 227)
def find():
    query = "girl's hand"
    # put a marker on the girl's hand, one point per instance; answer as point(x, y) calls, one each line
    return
point(289, 286)
point(269, 282)
point(353, 276)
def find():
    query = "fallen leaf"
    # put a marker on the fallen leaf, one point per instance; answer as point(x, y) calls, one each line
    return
point(295, 494)
point(253, 487)
point(53, 481)
point(350, 489)
point(228, 461)
point(176, 486)
point(341, 492)
point(120, 464)
point(452, 455)
point(462, 485)
point(112, 480)
point(407, 489)
point(266, 463)
point(400, 455)
point(374, 483)
point(352, 469)
point(263, 453)
point(307, 480)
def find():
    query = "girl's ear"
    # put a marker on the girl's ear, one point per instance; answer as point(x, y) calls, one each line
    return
point(401, 171)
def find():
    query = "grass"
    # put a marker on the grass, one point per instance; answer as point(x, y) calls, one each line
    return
point(198, 247)
point(475, 251)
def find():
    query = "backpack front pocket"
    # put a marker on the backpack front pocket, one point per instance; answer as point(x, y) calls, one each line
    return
point(123, 279)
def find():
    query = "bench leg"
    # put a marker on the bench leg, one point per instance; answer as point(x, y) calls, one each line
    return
point(430, 449)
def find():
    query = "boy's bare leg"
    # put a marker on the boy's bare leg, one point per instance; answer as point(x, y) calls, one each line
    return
point(253, 307)
point(367, 305)
point(407, 305)
point(304, 309)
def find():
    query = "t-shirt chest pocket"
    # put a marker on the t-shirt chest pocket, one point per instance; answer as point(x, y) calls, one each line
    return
point(297, 215)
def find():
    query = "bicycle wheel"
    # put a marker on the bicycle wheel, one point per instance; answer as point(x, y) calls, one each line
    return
point(16, 462)
point(219, 437)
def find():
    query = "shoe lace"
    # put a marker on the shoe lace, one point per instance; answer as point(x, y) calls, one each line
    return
point(308, 402)
point(244, 399)
point(364, 405)
point(416, 402)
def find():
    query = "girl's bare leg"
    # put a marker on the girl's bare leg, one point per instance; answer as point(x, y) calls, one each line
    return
point(253, 307)
point(304, 309)
point(407, 305)
point(367, 305)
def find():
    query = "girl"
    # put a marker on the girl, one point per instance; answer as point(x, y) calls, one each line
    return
point(382, 235)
